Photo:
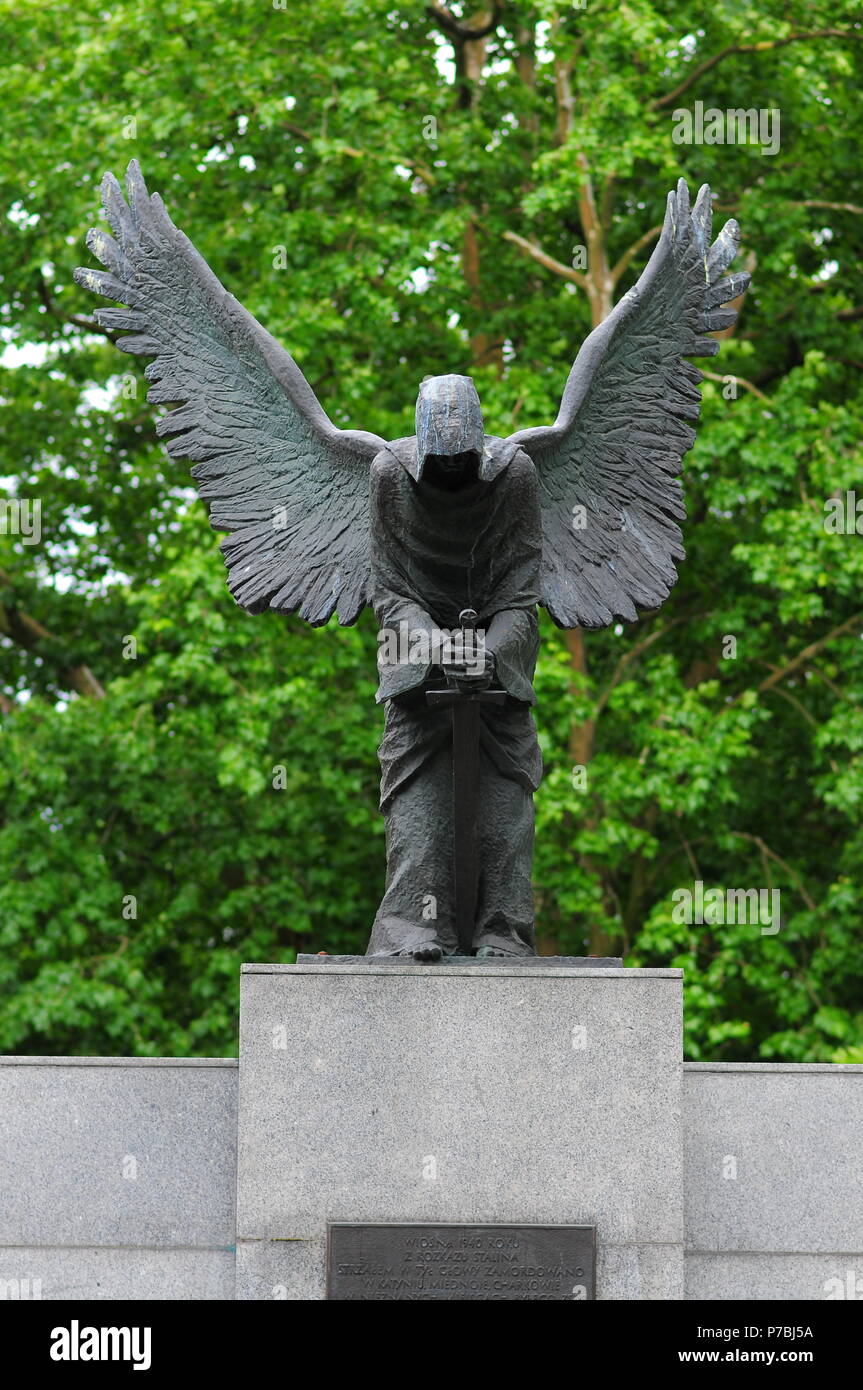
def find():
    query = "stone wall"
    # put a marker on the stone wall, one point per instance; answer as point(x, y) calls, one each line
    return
point(773, 1180)
point(118, 1175)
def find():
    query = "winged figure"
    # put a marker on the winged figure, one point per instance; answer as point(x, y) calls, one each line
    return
point(454, 537)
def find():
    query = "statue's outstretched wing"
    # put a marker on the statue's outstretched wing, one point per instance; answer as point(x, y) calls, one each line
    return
point(290, 487)
point(607, 468)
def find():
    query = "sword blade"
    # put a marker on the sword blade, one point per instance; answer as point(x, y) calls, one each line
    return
point(465, 784)
point(465, 716)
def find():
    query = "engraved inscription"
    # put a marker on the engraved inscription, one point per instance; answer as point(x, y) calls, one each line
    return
point(422, 1262)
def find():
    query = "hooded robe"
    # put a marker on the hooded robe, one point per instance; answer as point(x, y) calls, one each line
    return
point(434, 553)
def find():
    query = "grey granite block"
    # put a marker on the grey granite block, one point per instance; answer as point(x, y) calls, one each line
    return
point(117, 1152)
point(279, 1270)
point(637, 1273)
point(88, 1273)
point(772, 1158)
point(477, 1093)
point(760, 1277)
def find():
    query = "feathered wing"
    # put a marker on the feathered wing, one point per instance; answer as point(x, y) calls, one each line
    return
point(289, 487)
point(607, 468)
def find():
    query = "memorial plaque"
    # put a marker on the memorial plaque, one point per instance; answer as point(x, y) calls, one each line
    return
point(459, 1263)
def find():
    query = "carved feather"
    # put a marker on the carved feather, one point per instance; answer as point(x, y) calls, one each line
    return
point(288, 486)
point(607, 468)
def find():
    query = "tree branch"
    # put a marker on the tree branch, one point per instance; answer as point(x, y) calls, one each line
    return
point(741, 381)
point(447, 21)
point(764, 46)
point(536, 253)
point(422, 170)
point(833, 207)
point(802, 657)
point(89, 325)
point(606, 202)
point(634, 653)
point(633, 251)
point(855, 620)
point(769, 853)
point(28, 633)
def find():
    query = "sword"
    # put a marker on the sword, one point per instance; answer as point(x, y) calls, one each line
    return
point(464, 706)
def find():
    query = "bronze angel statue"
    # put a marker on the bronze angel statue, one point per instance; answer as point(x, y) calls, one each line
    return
point(453, 536)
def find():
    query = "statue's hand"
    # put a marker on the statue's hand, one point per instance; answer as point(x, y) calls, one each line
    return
point(470, 676)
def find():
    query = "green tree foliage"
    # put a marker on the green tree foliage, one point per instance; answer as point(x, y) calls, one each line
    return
point(397, 189)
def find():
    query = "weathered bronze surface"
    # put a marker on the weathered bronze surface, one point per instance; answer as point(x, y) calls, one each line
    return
point(537, 963)
point(580, 517)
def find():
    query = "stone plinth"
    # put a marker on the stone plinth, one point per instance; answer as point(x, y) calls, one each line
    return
point(468, 1094)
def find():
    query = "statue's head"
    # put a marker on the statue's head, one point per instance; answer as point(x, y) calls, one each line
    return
point(450, 434)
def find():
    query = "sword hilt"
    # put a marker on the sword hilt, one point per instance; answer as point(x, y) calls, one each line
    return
point(468, 620)
point(455, 697)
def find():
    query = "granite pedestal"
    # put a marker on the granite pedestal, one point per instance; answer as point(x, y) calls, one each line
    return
point(481, 1094)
